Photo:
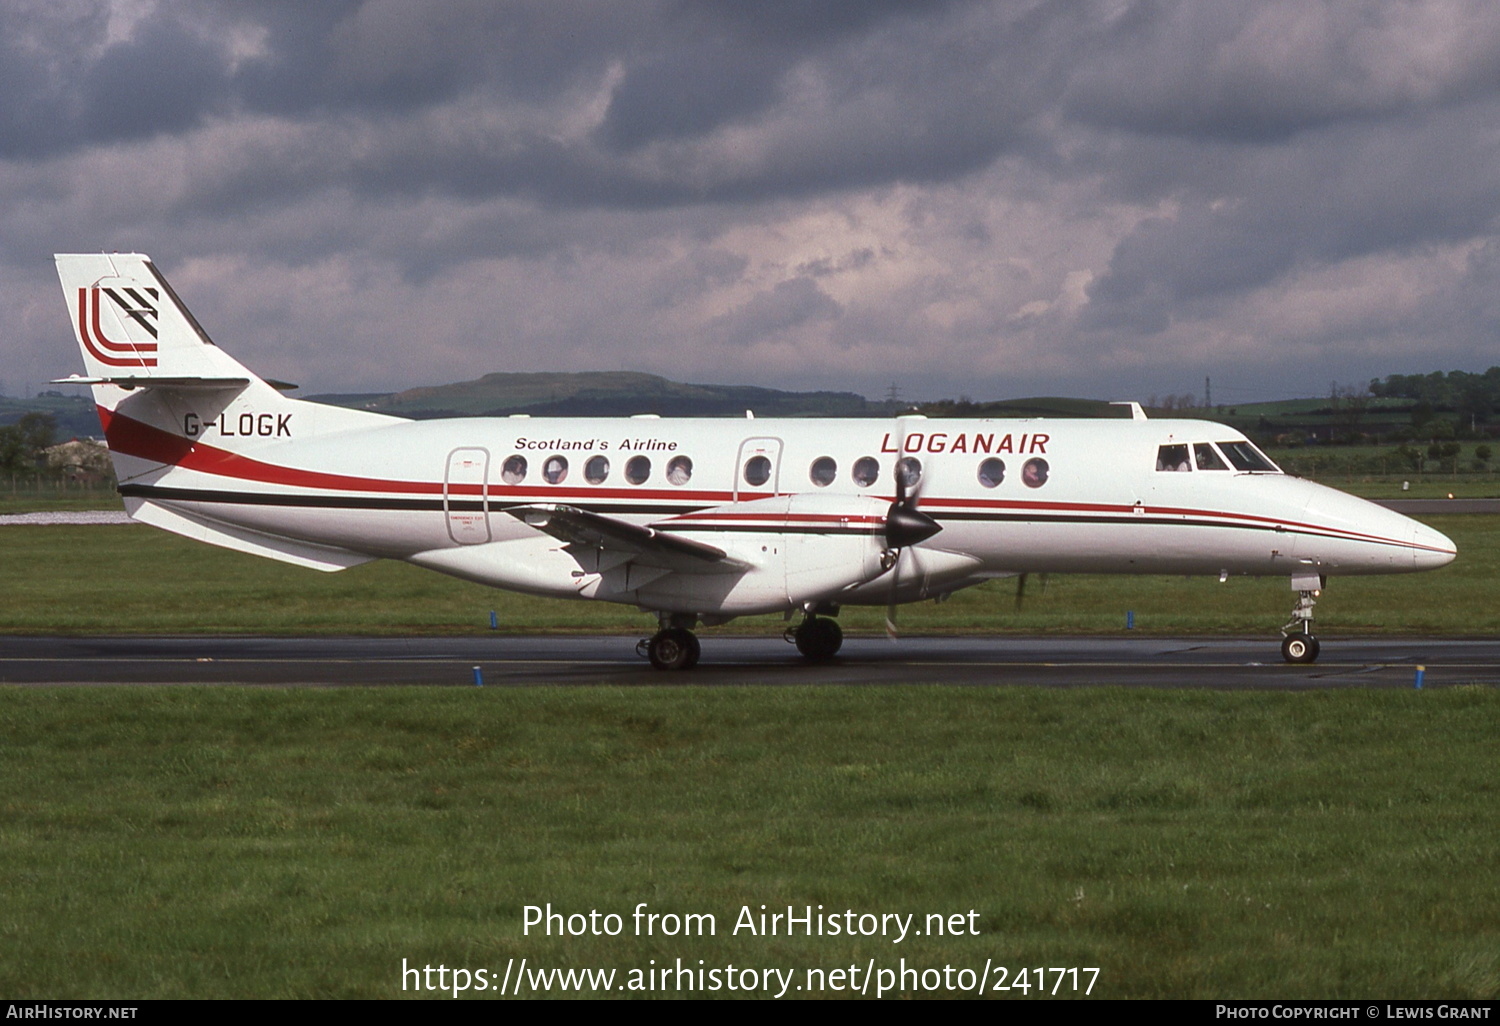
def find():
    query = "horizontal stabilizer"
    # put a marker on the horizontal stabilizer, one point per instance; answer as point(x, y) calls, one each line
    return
point(212, 384)
point(177, 384)
point(580, 527)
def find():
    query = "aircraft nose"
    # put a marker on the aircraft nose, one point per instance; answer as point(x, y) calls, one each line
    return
point(1431, 549)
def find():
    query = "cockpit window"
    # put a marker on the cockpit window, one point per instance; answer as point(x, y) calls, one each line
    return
point(1245, 456)
point(1207, 457)
point(1173, 457)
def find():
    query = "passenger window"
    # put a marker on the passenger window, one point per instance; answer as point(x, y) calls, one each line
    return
point(1034, 473)
point(757, 471)
point(637, 470)
point(1207, 458)
point(596, 470)
point(513, 471)
point(910, 469)
point(991, 472)
point(1173, 458)
point(866, 471)
point(824, 470)
point(680, 470)
point(555, 470)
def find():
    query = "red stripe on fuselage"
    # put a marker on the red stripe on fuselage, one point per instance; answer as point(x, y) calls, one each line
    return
point(134, 438)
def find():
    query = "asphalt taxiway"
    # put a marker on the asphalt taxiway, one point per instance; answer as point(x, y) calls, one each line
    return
point(506, 661)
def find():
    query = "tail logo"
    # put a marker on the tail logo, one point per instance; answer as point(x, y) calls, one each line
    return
point(136, 309)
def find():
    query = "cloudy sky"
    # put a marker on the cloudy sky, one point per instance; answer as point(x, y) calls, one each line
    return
point(1108, 198)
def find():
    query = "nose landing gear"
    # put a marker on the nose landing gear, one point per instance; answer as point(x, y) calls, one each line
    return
point(1298, 644)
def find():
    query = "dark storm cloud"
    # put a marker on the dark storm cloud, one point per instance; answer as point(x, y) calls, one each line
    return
point(165, 79)
point(63, 88)
point(38, 64)
point(726, 61)
point(783, 191)
point(1259, 72)
point(785, 305)
point(1362, 192)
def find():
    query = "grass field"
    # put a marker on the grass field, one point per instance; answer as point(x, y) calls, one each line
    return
point(239, 842)
point(273, 843)
point(133, 579)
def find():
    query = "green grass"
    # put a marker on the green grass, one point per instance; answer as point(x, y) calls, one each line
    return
point(132, 579)
point(186, 842)
point(42, 497)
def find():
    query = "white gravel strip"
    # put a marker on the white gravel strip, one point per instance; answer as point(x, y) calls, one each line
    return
point(76, 517)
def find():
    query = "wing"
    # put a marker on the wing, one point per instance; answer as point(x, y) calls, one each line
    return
point(584, 531)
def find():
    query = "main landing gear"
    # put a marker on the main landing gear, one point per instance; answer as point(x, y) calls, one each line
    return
point(818, 638)
point(675, 646)
point(1297, 643)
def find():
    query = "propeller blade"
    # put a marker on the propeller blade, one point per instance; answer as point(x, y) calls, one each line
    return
point(1020, 591)
point(905, 525)
point(890, 608)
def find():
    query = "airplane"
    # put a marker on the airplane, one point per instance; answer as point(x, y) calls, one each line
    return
point(696, 521)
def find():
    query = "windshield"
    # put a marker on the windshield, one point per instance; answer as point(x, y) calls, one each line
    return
point(1245, 456)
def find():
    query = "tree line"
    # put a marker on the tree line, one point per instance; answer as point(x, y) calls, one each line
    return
point(1469, 395)
point(22, 443)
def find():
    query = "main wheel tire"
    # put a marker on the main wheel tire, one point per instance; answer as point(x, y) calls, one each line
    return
point(673, 649)
point(819, 638)
point(1299, 648)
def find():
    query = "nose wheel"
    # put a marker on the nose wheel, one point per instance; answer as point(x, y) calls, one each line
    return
point(1299, 648)
point(1298, 644)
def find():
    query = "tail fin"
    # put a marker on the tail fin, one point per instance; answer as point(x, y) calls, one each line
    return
point(180, 415)
point(159, 381)
point(134, 331)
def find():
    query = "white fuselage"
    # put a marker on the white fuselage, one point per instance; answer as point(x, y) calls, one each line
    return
point(783, 499)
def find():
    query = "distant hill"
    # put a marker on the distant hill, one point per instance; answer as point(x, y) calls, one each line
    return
point(1039, 406)
point(623, 393)
point(605, 394)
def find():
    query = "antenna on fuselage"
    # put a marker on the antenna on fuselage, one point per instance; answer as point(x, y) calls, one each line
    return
point(1136, 413)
